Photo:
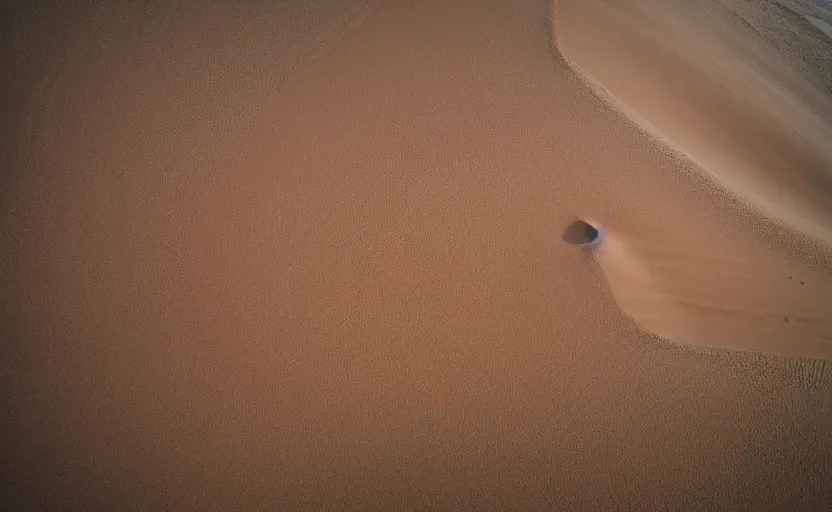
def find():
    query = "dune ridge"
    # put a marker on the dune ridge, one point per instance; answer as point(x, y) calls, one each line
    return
point(757, 128)
point(761, 134)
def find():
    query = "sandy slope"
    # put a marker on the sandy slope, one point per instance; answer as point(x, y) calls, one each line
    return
point(821, 25)
point(751, 123)
point(237, 277)
point(692, 77)
point(687, 295)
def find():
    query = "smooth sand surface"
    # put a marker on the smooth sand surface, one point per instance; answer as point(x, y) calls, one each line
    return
point(276, 259)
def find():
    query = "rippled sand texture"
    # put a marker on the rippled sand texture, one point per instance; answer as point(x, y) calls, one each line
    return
point(308, 256)
point(716, 84)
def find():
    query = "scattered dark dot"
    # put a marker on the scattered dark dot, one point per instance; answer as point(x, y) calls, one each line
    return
point(790, 277)
point(801, 282)
point(786, 319)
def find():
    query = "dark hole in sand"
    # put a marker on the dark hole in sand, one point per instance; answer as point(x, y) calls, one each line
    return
point(580, 233)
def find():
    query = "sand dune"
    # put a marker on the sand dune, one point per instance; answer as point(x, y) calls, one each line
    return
point(752, 123)
point(308, 255)
point(682, 294)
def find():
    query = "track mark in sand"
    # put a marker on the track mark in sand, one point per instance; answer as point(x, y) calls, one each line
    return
point(811, 372)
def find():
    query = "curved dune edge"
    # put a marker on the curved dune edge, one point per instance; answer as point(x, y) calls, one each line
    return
point(781, 167)
point(682, 295)
point(716, 301)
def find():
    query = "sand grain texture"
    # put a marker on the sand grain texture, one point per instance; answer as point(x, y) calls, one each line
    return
point(248, 268)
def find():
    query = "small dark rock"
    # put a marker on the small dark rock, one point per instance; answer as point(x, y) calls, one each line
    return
point(580, 233)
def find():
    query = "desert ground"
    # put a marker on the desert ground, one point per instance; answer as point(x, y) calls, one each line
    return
point(308, 255)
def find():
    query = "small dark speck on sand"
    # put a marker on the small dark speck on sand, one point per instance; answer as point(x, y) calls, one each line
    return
point(801, 282)
point(580, 232)
point(786, 319)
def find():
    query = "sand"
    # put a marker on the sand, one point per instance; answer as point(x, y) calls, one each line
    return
point(820, 24)
point(689, 77)
point(306, 258)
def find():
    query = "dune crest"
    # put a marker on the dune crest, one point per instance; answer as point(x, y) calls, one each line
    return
point(756, 126)
point(713, 93)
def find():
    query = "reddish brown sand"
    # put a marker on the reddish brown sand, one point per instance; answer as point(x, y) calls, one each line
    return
point(294, 258)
